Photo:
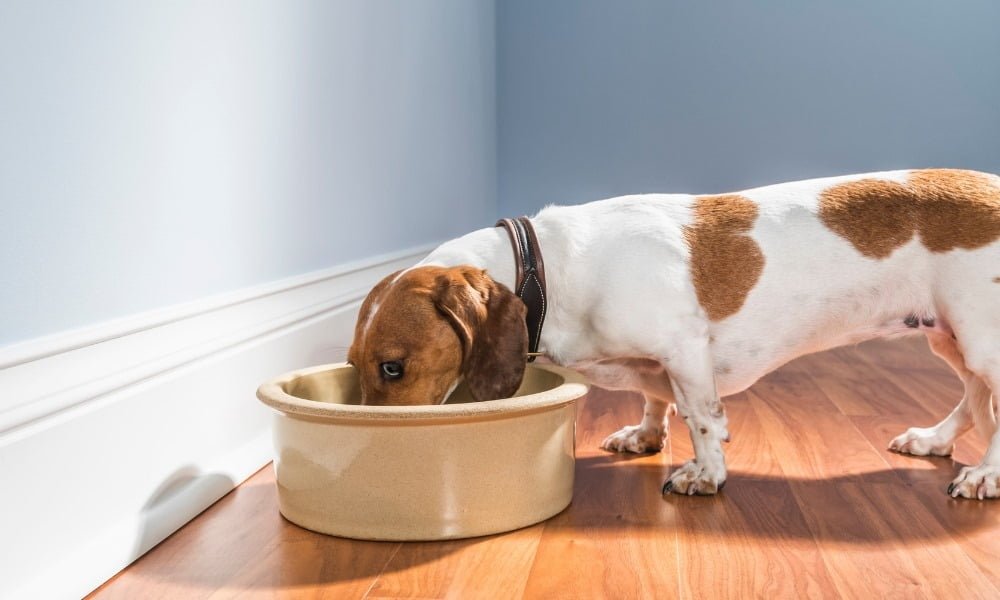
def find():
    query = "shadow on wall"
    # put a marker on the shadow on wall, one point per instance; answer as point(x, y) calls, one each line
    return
point(177, 500)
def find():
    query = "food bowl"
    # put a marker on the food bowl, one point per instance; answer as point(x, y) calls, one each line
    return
point(457, 470)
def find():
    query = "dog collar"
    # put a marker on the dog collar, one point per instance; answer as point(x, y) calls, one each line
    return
point(530, 282)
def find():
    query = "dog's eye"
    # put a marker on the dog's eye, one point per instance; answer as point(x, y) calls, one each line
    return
point(392, 369)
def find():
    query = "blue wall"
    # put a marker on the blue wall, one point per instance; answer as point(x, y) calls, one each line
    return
point(158, 152)
point(598, 99)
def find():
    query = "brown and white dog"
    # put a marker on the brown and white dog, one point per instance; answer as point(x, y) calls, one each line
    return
point(685, 298)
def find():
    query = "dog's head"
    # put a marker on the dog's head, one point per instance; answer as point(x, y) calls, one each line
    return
point(420, 332)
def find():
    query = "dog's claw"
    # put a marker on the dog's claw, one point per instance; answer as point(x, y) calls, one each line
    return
point(979, 482)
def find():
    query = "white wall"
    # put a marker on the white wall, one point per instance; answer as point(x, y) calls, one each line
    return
point(153, 153)
point(195, 197)
point(598, 99)
point(117, 436)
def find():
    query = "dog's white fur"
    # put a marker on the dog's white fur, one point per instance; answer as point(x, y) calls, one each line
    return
point(623, 310)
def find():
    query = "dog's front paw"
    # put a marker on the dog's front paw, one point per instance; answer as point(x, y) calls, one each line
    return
point(692, 478)
point(635, 439)
point(980, 482)
point(920, 441)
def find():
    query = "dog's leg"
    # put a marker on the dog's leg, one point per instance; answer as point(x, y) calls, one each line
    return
point(647, 436)
point(693, 382)
point(649, 378)
point(983, 480)
point(975, 407)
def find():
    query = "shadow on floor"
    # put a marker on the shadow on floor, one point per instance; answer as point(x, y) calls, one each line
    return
point(613, 498)
point(906, 505)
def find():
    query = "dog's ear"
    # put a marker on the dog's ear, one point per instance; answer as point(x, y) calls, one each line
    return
point(489, 320)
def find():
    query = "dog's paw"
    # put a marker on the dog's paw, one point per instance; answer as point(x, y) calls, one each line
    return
point(980, 482)
point(635, 439)
point(920, 441)
point(692, 478)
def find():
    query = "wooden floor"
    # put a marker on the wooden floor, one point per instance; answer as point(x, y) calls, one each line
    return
point(814, 507)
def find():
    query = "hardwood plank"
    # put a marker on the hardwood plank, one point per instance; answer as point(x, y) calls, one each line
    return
point(936, 388)
point(617, 538)
point(859, 388)
point(241, 546)
point(751, 540)
point(974, 525)
point(811, 438)
point(317, 569)
point(878, 538)
point(907, 353)
point(875, 536)
point(498, 569)
point(490, 567)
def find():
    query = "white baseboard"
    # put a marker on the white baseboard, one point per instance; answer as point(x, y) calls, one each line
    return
point(114, 436)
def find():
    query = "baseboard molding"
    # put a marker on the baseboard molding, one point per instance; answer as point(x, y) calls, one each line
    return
point(114, 436)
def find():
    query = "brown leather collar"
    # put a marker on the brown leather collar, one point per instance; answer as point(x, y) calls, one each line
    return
point(530, 283)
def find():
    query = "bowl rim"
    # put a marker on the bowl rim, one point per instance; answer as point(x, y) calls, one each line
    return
point(271, 393)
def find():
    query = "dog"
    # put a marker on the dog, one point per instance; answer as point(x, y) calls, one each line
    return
point(686, 298)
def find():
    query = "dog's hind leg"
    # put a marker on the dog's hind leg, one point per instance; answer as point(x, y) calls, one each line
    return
point(975, 316)
point(969, 295)
point(983, 480)
point(974, 408)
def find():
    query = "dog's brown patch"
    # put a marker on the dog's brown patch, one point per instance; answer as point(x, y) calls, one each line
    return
point(399, 322)
point(996, 280)
point(947, 208)
point(440, 323)
point(725, 262)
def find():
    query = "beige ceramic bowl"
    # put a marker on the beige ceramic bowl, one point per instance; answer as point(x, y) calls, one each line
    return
point(458, 470)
